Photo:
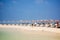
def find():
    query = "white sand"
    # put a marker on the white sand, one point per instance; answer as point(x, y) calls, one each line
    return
point(54, 30)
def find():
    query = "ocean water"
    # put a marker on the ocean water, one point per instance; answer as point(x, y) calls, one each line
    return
point(13, 34)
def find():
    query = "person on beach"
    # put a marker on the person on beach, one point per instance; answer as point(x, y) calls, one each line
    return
point(57, 24)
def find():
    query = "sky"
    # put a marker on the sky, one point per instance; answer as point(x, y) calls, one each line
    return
point(29, 9)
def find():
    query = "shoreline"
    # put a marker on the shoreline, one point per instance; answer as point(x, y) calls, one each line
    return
point(30, 28)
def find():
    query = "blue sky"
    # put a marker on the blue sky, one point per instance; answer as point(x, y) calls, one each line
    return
point(29, 9)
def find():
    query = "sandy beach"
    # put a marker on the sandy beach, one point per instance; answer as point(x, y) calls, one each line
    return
point(19, 32)
point(30, 28)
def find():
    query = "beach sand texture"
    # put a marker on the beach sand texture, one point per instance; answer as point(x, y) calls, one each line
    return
point(16, 32)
